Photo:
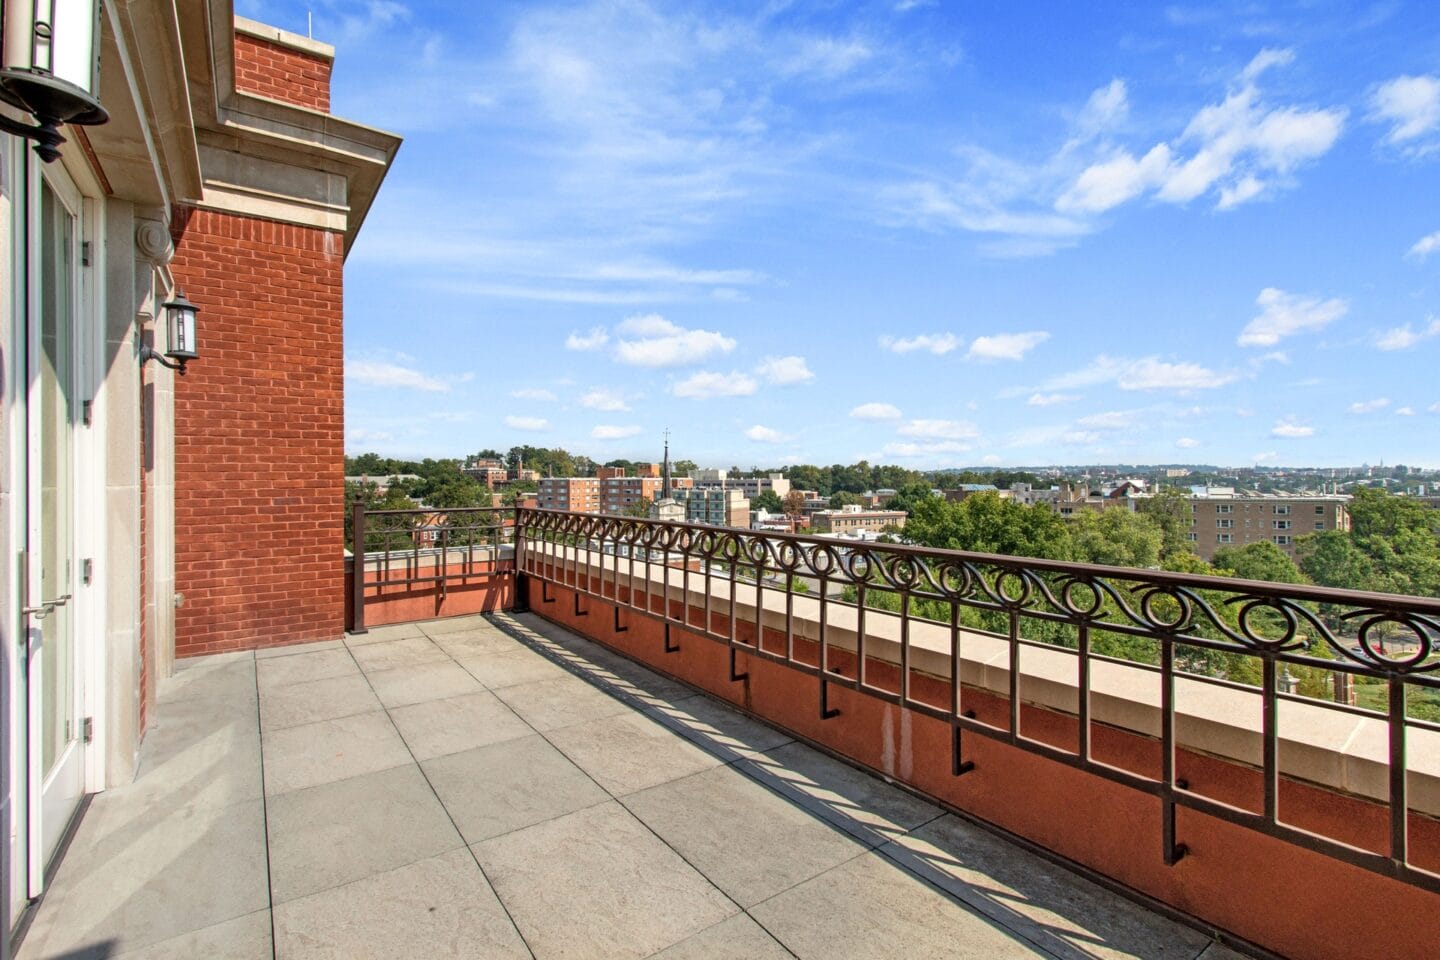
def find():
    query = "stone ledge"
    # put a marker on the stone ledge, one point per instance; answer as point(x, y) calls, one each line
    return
point(284, 38)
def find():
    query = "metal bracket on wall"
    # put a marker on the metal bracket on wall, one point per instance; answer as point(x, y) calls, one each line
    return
point(736, 677)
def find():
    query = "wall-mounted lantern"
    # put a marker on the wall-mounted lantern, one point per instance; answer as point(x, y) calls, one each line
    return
point(180, 325)
point(51, 68)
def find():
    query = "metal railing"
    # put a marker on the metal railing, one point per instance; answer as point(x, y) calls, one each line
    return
point(1368, 655)
point(399, 551)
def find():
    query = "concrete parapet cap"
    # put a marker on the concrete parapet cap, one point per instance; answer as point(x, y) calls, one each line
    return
point(283, 38)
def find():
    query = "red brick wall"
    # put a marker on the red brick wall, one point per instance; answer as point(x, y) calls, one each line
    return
point(282, 73)
point(259, 435)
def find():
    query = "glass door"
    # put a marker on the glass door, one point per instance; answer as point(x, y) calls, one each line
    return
point(55, 739)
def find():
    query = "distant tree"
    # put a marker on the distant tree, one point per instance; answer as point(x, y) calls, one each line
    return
point(769, 501)
point(1261, 560)
point(843, 498)
point(1170, 509)
point(794, 504)
point(640, 508)
point(1334, 559)
point(463, 492)
point(909, 496)
point(1116, 537)
point(806, 477)
point(683, 468)
point(984, 523)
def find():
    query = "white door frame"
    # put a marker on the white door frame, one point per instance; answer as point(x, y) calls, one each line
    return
point(45, 822)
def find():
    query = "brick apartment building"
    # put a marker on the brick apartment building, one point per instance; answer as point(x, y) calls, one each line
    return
point(575, 494)
point(221, 172)
point(1234, 521)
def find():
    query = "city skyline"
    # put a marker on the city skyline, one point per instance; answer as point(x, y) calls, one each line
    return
point(877, 232)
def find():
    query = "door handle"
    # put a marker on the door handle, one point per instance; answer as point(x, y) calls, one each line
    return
point(46, 607)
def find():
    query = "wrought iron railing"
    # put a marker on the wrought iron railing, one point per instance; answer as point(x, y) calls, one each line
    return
point(790, 599)
point(398, 551)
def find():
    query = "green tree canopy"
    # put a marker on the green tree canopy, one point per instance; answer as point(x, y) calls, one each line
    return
point(1258, 561)
point(769, 501)
point(1117, 537)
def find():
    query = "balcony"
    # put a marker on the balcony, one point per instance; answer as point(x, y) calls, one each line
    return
point(632, 738)
point(503, 787)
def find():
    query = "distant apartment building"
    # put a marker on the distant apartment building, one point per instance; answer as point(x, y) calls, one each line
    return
point(715, 506)
point(621, 494)
point(487, 471)
point(751, 487)
point(848, 520)
point(1230, 520)
point(572, 494)
point(490, 472)
point(971, 489)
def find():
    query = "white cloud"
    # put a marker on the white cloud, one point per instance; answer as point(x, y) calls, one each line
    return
point(707, 384)
point(1370, 406)
point(1425, 246)
point(1290, 429)
point(1405, 412)
point(783, 371)
point(1113, 420)
point(1082, 438)
point(647, 325)
point(1006, 346)
point(604, 399)
point(1117, 180)
point(659, 343)
point(378, 373)
point(876, 411)
point(1144, 373)
point(531, 393)
point(1285, 314)
point(1106, 109)
point(527, 423)
point(1403, 338)
point(609, 432)
point(1411, 105)
point(1239, 149)
point(1264, 60)
point(1268, 456)
point(910, 450)
point(1187, 443)
point(593, 340)
point(1051, 399)
point(941, 429)
point(1434, 407)
point(936, 343)
point(765, 435)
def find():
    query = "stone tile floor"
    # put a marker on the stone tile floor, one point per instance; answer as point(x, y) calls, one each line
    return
point(490, 788)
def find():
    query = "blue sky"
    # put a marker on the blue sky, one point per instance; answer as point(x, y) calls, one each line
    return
point(927, 233)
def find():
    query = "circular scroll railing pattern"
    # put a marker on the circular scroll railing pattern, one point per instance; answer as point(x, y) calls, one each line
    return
point(1261, 625)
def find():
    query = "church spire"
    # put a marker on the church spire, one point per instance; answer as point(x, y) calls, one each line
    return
point(665, 469)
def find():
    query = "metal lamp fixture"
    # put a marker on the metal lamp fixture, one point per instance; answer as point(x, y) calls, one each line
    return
point(51, 69)
point(180, 325)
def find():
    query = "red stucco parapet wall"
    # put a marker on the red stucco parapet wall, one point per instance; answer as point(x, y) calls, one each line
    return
point(282, 73)
point(1275, 894)
point(259, 435)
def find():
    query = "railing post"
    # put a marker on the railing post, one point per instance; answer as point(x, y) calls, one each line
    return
point(521, 600)
point(357, 527)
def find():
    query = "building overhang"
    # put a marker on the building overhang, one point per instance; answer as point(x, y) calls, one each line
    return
point(265, 158)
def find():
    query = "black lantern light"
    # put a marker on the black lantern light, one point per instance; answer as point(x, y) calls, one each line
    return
point(51, 68)
point(180, 325)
